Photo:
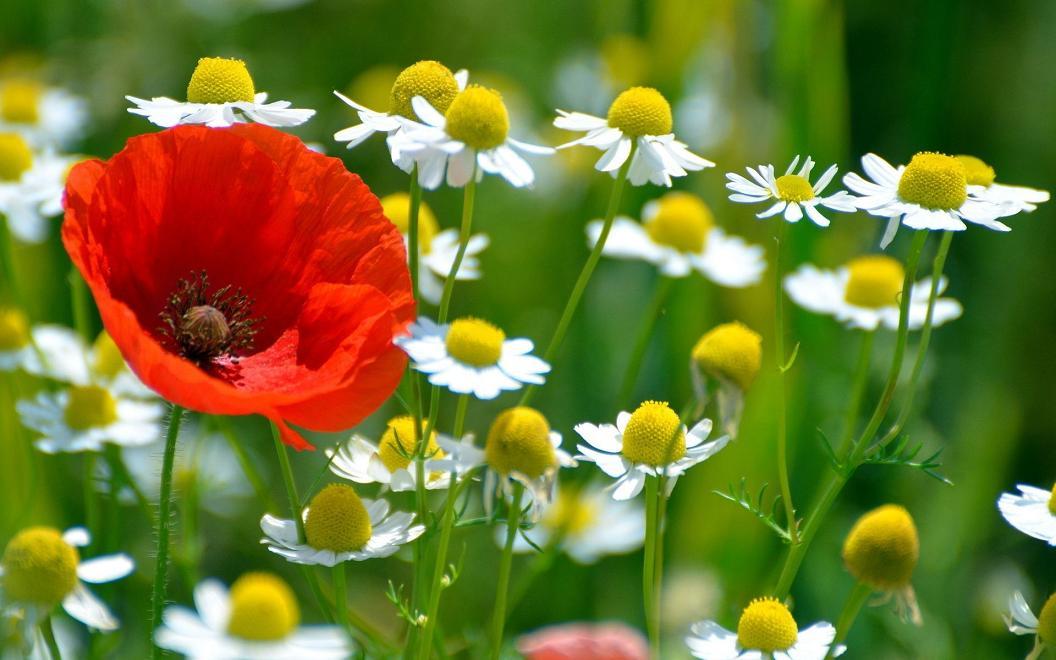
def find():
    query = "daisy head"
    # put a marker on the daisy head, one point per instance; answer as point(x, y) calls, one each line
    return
point(651, 441)
point(1031, 511)
point(791, 194)
point(1022, 621)
point(766, 629)
point(678, 235)
point(866, 293)
point(258, 618)
point(521, 446)
point(46, 116)
point(981, 177)
point(881, 551)
point(220, 93)
point(15, 346)
point(391, 461)
point(340, 527)
point(31, 186)
point(41, 568)
point(729, 355)
point(932, 192)
point(471, 356)
point(638, 122)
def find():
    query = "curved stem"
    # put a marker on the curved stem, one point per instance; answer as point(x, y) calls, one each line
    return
point(588, 270)
point(641, 342)
point(851, 608)
point(288, 482)
point(513, 522)
point(861, 380)
point(782, 415)
point(161, 563)
point(468, 197)
point(48, 632)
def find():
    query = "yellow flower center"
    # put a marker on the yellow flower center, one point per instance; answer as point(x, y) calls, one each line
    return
point(478, 117)
point(108, 361)
point(397, 208)
point(570, 514)
point(39, 566)
point(976, 171)
point(1047, 621)
point(397, 443)
point(14, 330)
point(654, 435)
point(766, 625)
point(263, 608)
point(934, 181)
point(519, 441)
point(882, 548)
point(641, 111)
point(794, 188)
point(220, 80)
point(90, 406)
point(1052, 501)
point(681, 221)
point(874, 281)
point(337, 520)
point(475, 342)
point(15, 157)
point(732, 351)
point(431, 80)
point(20, 101)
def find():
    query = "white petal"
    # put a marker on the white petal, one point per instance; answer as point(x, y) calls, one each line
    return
point(106, 568)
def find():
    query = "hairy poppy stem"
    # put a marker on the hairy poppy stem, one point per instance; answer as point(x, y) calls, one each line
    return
point(161, 564)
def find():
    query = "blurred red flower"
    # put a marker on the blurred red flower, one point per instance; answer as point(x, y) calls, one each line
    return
point(241, 273)
point(581, 641)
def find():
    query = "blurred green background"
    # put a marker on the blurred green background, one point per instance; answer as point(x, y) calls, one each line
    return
point(752, 82)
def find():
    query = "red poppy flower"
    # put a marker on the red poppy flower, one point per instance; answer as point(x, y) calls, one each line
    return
point(241, 273)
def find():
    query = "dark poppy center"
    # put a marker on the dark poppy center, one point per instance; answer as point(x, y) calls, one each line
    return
point(203, 326)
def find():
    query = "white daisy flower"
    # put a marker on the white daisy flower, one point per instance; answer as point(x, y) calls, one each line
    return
point(1021, 621)
point(792, 193)
point(766, 630)
point(389, 462)
point(46, 116)
point(472, 356)
point(1015, 198)
point(31, 187)
point(651, 441)
point(932, 192)
point(86, 417)
point(865, 294)
point(340, 527)
point(220, 93)
point(1032, 511)
point(40, 568)
point(639, 120)
point(429, 79)
point(678, 235)
point(437, 249)
point(585, 523)
point(471, 138)
point(65, 357)
point(256, 620)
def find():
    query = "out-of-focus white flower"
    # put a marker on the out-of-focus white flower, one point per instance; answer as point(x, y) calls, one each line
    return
point(1015, 198)
point(390, 462)
point(1031, 511)
point(47, 117)
point(31, 187)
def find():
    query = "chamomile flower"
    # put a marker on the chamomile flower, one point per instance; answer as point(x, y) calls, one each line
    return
point(16, 348)
point(66, 358)
point(1021, 621)
point(792, 193)
point(390, 461)
point(47, 117)
point(1031, 511)
point(340, 527)
point(429, 79)
point(1016, 198)
point(881, 551)
point(932, 192)
point(678, 235)
point(258, 619)
point(651, 441)
point(730, 354)
point(472, 356)
point(41, 568)
point(865, 293)
point(220, 93)
point(638, 121)
point(585, 523)
point(469, 139)
point(437, 249)
point(766, 629)
point(31, 186)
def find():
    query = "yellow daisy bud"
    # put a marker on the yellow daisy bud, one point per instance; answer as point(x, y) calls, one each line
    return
point(882, 548)
point(519, 441)
point(732, 351)
point(263, 608)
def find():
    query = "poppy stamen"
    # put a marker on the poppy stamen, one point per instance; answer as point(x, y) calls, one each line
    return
point(206, 327)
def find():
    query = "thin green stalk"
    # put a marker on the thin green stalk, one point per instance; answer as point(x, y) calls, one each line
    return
point(539, 565)
point(124, 478)
point(468, 197)
point(246, 463)
point(649, 577)
point(851, 608)
point(317, 592)
point(161, 564)
point(91, 498)
point(48, 632)
point(861, 381)
point(288, 482)
point(513, 522)
point(588, 270)
point(782, 413)
point(341, 596)
point(641, 342)
point(412, 230)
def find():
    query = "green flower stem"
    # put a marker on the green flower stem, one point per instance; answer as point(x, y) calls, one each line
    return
point(539, 565)
point(782, 414)
point(48, 632)
point(834, 484)
point(91, 499)
point(341, 597)
point(641, 342)
point(321, 602)
point(468, 197)
point(851, 608)
point(161, 564)
point(246, 463)
point(288, 482)
point(513, 522)
point(413, 250)
point(652, 565)
point(861, 381)
point(588, 270)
